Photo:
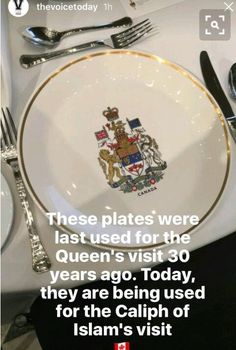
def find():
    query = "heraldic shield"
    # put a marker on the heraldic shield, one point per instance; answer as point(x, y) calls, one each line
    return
point(130, 160)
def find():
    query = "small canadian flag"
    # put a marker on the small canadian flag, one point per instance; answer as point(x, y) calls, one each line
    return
point(121, 346)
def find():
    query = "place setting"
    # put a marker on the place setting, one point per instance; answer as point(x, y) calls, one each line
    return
point(118, 139)
point(130, 132)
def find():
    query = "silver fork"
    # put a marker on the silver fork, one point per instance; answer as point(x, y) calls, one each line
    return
point(40, 259)
point(120, 40)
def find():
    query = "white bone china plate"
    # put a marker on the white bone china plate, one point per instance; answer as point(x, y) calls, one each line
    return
point(124, 132)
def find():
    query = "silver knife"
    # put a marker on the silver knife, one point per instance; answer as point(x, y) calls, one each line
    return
point(213, 85)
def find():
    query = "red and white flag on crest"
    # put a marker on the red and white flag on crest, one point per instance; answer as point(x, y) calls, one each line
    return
point(121, 346)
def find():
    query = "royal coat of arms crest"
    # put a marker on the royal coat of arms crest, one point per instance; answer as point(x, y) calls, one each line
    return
point(130, 160)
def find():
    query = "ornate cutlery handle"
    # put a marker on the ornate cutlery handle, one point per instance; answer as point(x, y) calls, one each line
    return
point(28, 61)
point(122, 22)
point(40, 259)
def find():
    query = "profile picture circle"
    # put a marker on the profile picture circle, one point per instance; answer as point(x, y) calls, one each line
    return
point(18, 8)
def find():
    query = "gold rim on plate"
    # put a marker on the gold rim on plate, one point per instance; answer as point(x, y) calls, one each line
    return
point(140, 54)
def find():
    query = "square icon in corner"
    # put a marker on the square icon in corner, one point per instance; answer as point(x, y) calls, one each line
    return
point(214, 24)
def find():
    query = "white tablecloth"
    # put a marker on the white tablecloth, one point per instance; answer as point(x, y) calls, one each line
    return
point(179, 42)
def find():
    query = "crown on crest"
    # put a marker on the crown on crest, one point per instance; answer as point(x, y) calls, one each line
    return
point(111, 113)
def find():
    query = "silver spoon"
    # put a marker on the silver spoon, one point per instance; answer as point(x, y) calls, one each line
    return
point(43, 36)
point(232, 80)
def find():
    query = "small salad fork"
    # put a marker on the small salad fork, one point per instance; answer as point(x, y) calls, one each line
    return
point(40, 259)
point(120, 40)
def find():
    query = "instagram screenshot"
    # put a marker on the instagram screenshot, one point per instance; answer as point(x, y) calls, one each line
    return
point(118, 168)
